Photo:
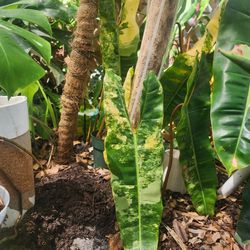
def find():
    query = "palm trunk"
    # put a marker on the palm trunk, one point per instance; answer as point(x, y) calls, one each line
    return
point(80, 64)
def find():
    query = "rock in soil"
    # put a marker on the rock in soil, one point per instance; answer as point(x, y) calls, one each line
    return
point(74, 210)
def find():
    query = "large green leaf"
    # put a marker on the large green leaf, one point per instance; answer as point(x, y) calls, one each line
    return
point(134, 158)
point(17, 69)
point(32, 16)
point(174, 81)
point(230, 110)
point(243, 225)
point(36, 42)
point(193, 140)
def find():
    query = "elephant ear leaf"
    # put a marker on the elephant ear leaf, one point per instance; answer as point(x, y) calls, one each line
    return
point(231, 94)
point(193, 140)
point(134, 158)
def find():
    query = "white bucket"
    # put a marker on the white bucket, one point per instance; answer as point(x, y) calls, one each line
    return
point(5, 197)
point(175, 180)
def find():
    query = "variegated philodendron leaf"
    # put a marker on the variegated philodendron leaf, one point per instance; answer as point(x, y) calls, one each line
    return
point(134, 158)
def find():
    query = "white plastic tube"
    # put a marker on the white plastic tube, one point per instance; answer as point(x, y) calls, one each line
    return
point(175, 180)
point(14, 118)
point(233, 182)
point(5, 196)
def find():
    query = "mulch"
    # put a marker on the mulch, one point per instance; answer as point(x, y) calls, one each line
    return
point(74, 210)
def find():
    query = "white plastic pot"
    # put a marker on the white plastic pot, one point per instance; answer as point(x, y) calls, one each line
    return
point(14, 125)
point(5, 197)
point(175, 180)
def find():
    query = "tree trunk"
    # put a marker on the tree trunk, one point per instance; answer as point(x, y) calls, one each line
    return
point(80, 65)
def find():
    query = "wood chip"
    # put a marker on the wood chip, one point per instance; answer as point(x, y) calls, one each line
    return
point(176, 238)
point(180, 230)
point(216, 236)
point(218, 247)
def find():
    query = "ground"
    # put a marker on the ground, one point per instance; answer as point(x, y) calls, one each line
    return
point(74, 210)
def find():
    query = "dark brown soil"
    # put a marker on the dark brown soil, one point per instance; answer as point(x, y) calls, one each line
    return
point(74, 210)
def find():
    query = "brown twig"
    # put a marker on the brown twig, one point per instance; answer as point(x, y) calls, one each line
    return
point(171, 145)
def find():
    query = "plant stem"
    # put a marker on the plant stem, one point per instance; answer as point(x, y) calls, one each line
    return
point(156, 39)
point(171, 145)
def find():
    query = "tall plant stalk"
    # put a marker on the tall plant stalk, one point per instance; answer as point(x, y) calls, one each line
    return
point(156, 39)
point(80, 65)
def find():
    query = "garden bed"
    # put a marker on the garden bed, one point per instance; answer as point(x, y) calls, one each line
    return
point(75, 210)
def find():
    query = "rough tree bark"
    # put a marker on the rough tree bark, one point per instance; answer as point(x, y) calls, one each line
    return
point(80, 65)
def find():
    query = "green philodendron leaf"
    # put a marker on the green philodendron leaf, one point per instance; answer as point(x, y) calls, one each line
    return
point(240, 55)
point(17, 69)
point(174, 84)
point(193, 140)
point(109, 36)
point(134, 158)
point(32, 16)
point(243, 225)
point(129, 37)
point(39, 44)
point(230, 109)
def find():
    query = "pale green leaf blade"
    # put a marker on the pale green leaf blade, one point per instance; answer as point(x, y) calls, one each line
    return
point(150, 153)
